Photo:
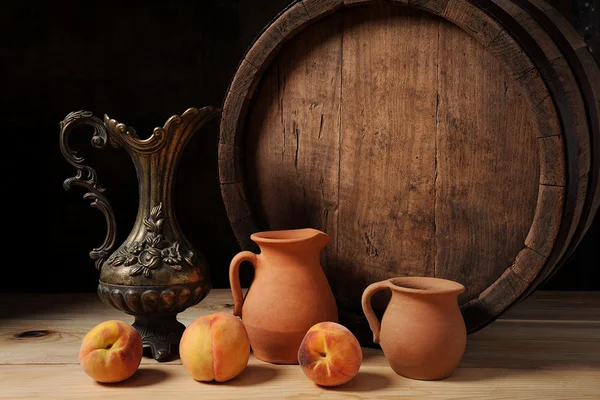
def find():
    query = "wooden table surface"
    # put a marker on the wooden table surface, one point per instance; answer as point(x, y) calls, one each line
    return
point(547, 347)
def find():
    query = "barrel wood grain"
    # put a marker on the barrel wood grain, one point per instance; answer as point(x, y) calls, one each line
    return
point(591, 68)
point(361, 2)
point(552, 162)
point(547, 219)
point(306, 119)
point(436, 7)
point(234, 109)
point(236, 172)
point(292, 19)
point(575, 57)
point(514, 58)
point(574, 100)
point(541, 4)
point(266, 44)
point(473, 20)
point(237, 192)
point(244, 79)
point(319, 8)
point(478, 100)
point(566, 28)
point(579, 58)
point(273, 38)
point(387, 194)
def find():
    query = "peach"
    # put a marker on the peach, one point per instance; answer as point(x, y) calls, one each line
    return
point(215, 347)
point(329, 354)
point(111, 351)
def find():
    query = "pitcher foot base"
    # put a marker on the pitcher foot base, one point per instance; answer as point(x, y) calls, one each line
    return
point(160, 333)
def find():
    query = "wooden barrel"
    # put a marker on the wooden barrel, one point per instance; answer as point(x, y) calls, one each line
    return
point(442, 138)
point(575, 53)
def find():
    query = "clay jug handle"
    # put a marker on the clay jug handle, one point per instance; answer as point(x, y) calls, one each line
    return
point(374, 323)
point(234, 279)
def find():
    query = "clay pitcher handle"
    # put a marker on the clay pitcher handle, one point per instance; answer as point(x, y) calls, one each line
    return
point(374, 323)
point(234, 279)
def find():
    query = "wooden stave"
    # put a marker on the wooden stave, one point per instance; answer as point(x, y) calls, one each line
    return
point(587, 73)
point(473, 310)
point(570, 240)
point(592, 194)
point(237, 177)
point(576, 56)
point(559, 252)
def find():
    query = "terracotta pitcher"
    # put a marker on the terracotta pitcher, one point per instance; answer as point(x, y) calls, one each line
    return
point(422, 332)
point(289, 293)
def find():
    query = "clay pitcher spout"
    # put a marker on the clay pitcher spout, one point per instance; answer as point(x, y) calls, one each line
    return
point(317, 238)
point(321, 239)
point(291, 242)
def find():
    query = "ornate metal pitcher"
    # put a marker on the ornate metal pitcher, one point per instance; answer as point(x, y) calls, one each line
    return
point(155, 273)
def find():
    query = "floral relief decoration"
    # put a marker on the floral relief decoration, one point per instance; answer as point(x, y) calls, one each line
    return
point(153, 252)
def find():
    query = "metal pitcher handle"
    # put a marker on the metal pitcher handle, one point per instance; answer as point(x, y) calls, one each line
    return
point(87, 178)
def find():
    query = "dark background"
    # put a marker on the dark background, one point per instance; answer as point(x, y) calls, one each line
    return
point(140, 63)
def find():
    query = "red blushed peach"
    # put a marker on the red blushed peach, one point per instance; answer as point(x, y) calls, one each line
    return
point(329, 354)
point(111, 351)
point(215, 347)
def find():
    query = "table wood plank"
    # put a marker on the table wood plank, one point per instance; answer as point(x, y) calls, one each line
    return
point(557, 306)
point(503, 344)
point(547, 347)
point(266, 381)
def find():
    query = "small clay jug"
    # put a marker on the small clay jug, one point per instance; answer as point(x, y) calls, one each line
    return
point(422, 332)
point(289, 293)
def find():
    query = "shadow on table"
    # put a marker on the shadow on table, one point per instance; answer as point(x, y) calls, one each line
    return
point(364, 382)
point(143, 377)
point(254, 375)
